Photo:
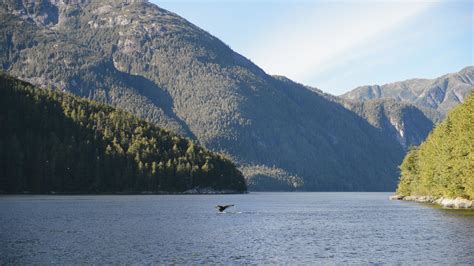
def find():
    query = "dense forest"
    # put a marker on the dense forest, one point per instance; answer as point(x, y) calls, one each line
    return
point(156, 65)
point(56, 142)
point(443, 165)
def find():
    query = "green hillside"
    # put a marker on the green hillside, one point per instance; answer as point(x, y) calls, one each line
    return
point(443, 165)
point(53, 141)
point(153, 63)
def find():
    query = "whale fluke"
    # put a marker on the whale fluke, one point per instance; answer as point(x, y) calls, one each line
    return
point(221, 208)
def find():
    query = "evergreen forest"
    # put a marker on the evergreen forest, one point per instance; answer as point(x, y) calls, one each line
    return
point(443, 165)
point(52, 141)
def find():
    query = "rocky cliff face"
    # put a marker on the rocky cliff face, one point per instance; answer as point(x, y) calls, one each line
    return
point(401, 121)
point(433, 96)
point(157, 65)
point(42, 13)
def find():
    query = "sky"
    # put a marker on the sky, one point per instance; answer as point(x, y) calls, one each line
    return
point(338, 45)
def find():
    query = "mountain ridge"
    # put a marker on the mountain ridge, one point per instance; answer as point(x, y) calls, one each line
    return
point(162, 68)
point(401, 121)
point(435, 97)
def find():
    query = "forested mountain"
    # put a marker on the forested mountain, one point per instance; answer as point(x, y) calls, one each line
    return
point(443, 165)
point(53, 141)
point(401, 121)
point(435, 97)
point(160, 67)
point(403, 110)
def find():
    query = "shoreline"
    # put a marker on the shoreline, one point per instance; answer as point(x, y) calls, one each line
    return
point(144, 193)
point(449, 203)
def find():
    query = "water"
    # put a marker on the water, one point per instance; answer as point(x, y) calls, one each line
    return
point(296, 228)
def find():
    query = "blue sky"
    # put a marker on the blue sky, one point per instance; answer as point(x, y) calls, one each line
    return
point(339, 45)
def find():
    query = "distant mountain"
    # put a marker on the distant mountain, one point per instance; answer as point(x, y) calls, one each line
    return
point(443, 165)
point(160, 67)
point(433, 96)
point(400, 121)
point(53, 141)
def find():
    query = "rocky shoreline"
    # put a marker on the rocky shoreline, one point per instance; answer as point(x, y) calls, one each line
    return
point(456, 203)
point(194, 191)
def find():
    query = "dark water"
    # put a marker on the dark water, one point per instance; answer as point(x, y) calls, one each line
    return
point(296, 228)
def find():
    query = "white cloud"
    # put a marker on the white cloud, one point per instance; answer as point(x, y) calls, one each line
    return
point(315, 38)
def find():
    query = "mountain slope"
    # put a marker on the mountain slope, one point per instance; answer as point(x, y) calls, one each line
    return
point(434, 96)
point(53, 141)
point(443, 165)
point(401, 121)
point(162, 68)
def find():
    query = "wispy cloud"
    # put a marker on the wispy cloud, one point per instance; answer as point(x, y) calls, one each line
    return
point(337, 45)
point(316, 38)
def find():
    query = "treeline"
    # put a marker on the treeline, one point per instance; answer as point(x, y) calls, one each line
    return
point(53, 141)
point(443, 165)
point(167, 71)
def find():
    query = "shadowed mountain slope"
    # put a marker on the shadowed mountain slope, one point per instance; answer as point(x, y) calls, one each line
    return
point(434, 96)
point(155, 64)
point(400, 121)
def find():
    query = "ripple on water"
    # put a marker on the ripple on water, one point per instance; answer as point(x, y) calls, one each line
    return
point(297, 228)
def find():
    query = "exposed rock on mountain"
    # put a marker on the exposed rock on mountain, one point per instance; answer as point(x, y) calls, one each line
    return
point(401, 121)
point(162, 68)
point(433, 96)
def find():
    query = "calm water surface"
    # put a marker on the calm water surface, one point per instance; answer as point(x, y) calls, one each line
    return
point(296, 228)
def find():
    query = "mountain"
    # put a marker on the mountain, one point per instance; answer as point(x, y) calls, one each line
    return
point(53, 141)
point(400, 121)
point(403, 110)
point(158, 66)
point(433, 96)
point(443, 165)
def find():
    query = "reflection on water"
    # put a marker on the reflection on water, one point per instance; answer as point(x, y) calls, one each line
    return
point(262, 228)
